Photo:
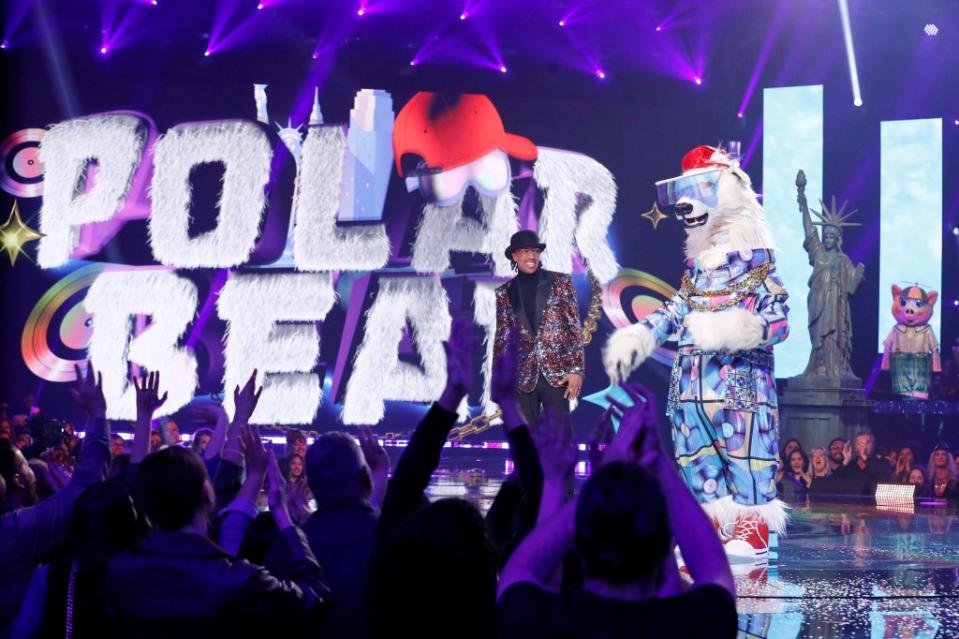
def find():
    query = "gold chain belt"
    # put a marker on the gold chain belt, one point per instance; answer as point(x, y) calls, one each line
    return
point(740, 290)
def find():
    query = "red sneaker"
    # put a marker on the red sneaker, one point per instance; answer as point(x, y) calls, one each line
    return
point(749, 541)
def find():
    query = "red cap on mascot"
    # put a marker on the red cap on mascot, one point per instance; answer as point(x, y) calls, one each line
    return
point(704, 157)
point(450, 135)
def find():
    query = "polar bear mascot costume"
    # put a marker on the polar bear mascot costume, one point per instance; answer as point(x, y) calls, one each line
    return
point(729, 313)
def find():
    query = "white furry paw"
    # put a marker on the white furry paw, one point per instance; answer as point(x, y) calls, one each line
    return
point(731, 330)
point(626, 349)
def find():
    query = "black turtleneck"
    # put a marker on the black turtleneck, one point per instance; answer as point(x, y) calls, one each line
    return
point(527, 283)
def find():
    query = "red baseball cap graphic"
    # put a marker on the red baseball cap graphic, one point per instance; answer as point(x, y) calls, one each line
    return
point(450, 135)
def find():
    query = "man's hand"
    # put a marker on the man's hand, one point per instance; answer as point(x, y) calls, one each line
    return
point(573, 383)
point(89, 394)
point(557, 456)
point(148, 395)
point(459, 362)
point(847, 453)
point(245, 400)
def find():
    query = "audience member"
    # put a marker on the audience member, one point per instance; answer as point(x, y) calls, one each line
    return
point(865, 470)
point(30, 531)
point(622, 526)
point(837, 449)
point(943, 480)
point(917, 478)
point(342, 530)
point(201, 439)
point(177, 582)
point(118, 445)
point(904, 464)
point(297, 490)
point(796, 481)
point(788, 447)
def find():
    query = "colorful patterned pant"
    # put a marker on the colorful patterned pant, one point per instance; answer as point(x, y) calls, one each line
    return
point(723, 451)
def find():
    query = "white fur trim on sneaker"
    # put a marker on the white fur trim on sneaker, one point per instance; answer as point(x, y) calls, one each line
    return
point(721, 510)
point(775, 513)
point(732, 330)
point(626, 349)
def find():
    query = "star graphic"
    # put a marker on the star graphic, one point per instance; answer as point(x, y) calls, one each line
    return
point(14, 234)
point(654, 215)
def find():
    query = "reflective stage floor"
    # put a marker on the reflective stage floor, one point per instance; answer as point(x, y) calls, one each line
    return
point(843, 570)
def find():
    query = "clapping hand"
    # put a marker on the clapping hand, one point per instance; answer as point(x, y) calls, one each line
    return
point(557, 456)
point(276, 497)
point(254, 454)
point(459, 362)
point(505, 371)
point(637, 439)
point(89, 394)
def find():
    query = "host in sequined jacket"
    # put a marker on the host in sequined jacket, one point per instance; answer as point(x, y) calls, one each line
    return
point(549, 339)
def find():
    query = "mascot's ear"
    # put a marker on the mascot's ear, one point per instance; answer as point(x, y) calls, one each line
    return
point(933, 296)
point(741, 176)
point(896, 291)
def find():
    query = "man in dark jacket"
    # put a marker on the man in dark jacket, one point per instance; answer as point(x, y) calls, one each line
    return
point(178, 583)
point(541, 305)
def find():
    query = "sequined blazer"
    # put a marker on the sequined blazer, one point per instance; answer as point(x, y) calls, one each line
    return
point(557, 348)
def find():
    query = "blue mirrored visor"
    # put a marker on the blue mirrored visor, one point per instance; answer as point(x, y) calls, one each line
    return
point(700, 186)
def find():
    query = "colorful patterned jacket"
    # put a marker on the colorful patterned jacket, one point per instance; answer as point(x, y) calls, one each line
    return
point(741, 381)
point(557, 348)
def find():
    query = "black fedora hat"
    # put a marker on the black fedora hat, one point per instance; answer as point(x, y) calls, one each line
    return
point(524, 239)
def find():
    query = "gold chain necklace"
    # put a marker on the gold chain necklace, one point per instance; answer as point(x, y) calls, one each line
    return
point(740, 290)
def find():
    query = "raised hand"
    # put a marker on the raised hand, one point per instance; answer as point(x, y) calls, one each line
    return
point(459, 362)
point(600, 437)
point(89, 394)
point(375, 455)
point(637, 439)
point(148, 395)
point(505, 371)
point(276, 497)
point(557, 456)
point(245, 400)
point(255, 455)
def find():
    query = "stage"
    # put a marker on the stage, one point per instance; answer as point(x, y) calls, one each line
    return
point(845, 569)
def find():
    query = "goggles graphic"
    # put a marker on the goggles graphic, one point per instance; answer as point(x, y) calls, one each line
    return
point(490, 175)
point(699, 186)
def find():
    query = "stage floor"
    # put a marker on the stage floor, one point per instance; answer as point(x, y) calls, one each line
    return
point(843, 569)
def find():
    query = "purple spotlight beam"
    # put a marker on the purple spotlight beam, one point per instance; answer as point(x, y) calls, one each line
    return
point(771, 35)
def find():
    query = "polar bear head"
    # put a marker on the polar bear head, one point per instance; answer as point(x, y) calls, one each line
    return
point(715, 202)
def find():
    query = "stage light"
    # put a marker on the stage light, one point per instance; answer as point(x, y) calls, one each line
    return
point(659, 28)
point(316, 55)
point(502, 68)
point(955, 302)
point(931, 29)
point(850, 52)
point(4, 45)
point(413, 62)
point(464, 15)
point(104, 50)
point(956, 122)
point(260, 6)
point(698, 80)
point(600, 74)
point(361, 12)
point(154, 2)
point(562, 22)
point(740, 115)
point(955, 231)
point(206, 54)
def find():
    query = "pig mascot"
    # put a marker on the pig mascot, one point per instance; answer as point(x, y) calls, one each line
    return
point(729, 313)
point(911, 351)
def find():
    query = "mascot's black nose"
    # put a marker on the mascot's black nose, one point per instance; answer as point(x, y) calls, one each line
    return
point(683, 209)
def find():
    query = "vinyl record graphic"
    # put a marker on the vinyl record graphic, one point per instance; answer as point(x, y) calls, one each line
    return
point(57, 332)
point(20, 172)
point(627, 300)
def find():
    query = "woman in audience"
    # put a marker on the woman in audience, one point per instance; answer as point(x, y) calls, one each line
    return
point(297, 490)
point(917, 478)
point(942, 478)
point(796, 479)
point(904, 464)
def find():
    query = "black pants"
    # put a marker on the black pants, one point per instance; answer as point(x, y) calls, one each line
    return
point(543, 395)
